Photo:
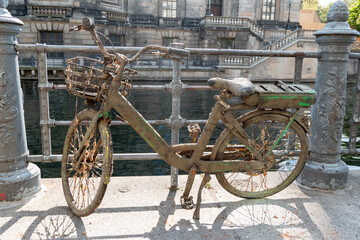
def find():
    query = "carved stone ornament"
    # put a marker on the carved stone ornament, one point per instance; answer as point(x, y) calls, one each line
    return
point(332, 109)
point(338, 12)
point(8, 112)
point(5, 16)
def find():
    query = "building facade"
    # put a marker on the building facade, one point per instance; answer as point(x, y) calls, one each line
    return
point(225, 24)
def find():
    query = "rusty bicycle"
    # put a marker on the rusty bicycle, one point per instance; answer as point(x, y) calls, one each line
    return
point(257, 154)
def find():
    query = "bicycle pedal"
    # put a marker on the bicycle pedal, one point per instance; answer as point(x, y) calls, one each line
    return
point(194, 131)
point(194, 128)
point(187, 202)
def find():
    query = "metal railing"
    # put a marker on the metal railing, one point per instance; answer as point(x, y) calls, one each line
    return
point(194, 61)
point(144, 62)
point(175, 87)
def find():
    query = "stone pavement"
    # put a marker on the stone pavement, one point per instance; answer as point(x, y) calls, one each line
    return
point(144, 208)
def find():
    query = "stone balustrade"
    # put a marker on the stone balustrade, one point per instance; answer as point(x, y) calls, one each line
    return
point(307, 33)
point(234, 61)
point(238, 22)
point(281, 35)
point(52, 11)
point(169, 22)
point(277, 45)
point(114, 16)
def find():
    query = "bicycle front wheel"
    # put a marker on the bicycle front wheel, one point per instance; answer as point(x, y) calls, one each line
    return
point(85, 179)
point(283, 146)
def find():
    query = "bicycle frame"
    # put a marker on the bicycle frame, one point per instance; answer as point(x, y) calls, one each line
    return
point(169, 153)
point(269, 102)
point(221, 111)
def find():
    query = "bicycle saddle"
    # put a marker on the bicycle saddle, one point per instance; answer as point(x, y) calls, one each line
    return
point(240, 87)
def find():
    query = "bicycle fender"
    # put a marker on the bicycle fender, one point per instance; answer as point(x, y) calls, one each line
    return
point(277, 111)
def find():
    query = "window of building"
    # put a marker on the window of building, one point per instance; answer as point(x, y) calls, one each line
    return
point(216, 7)
point(169, 8)
point(52, 38)
point(226, 43)
point(268, 9)
point(117, 40)
point(117, 3)
point(166, 41)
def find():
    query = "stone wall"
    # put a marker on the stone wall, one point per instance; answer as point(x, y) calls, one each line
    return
point(234, 9)
point(141, 7)
point(247, 8)
point(185, 8)
point(284, 68)
point(195, 9)
point(53, 2)
point(140, 23)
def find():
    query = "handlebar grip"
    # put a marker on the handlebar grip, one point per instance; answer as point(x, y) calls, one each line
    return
point(179, 52)
point(88, 22)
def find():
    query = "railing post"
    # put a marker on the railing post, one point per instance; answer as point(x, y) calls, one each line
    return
point(324, 168)
point(44, 85)
point(355, 120)
point(19, 180)
point(175, 121)
point(298, 69)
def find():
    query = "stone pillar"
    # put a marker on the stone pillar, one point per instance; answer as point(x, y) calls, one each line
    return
point(19, 180)
point(324, 168)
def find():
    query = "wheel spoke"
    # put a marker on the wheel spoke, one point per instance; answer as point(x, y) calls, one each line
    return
point(83, 186)
point(283, 161)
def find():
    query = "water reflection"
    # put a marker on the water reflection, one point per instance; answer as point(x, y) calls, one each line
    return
point(152, 104)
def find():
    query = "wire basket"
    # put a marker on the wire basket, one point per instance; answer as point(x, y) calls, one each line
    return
point(90, 78)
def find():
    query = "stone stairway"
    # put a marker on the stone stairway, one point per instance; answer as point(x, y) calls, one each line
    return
point(280, 44)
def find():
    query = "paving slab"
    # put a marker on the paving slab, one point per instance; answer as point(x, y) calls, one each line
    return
point(145, 208)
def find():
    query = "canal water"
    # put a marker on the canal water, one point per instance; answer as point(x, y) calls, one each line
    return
point(152, 104)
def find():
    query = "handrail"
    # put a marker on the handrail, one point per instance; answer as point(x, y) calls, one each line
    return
point(193, 51)
point(45, 86)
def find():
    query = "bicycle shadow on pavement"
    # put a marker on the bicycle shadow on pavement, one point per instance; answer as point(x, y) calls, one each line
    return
point(54, 223)
point(279, 217)
point(244, 219)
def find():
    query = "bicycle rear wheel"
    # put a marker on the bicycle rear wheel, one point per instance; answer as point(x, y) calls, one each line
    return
point(284, 146)
point(85, 179)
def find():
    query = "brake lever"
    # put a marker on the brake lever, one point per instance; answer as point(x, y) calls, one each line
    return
point(77, 28)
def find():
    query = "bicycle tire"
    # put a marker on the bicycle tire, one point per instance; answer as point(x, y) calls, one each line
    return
point(263, 130)
point(84, 187)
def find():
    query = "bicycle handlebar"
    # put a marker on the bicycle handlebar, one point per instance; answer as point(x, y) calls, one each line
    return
point(88, 24)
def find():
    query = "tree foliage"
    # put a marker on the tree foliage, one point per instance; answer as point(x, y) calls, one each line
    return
point(354, 18)
point(323, 11)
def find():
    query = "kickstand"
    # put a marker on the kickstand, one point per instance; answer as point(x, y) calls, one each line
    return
point(186, 201)
point(205, 180)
